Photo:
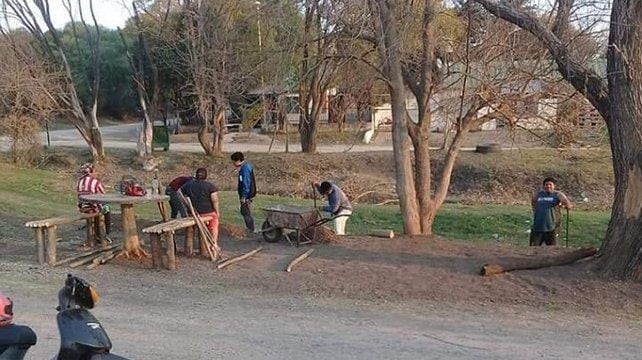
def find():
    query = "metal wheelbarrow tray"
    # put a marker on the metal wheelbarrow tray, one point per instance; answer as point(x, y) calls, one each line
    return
point(291, 217)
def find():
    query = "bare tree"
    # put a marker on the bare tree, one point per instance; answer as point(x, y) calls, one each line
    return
point(211, 60)
point(148, 90)
point(84, 117)
point(619, 102)
point(27, 95)
point(316, 69)
point(416, 60)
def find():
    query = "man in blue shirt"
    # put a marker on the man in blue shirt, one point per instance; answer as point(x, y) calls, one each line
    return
point(547, 214)
point(246, 188)
point(338, 204)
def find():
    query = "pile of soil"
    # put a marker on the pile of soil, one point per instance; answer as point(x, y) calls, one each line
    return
point(322, 235)
point(231, 230)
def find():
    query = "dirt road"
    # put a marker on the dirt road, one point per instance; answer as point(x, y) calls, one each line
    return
point(204, 319)
point(125, 136)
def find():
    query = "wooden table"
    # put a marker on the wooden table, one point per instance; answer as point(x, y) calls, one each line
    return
point(130, 230)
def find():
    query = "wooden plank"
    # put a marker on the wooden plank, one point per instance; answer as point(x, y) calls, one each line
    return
point(40, 245)
point(116, 198)
point(298, 259)
point(99, 259)
point(382, 233)
point(51, 245)
point(89, 253)
point(233, 260)
point(170, 250)
point(61, 220)
point(156, 250)
point(84, 260)
point(173, 225)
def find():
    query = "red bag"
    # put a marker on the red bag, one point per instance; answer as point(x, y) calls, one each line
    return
point(134, 190)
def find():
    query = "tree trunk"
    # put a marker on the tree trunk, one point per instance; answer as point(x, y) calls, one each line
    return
point(217, 132)
point(420, 137)
point(621, 253)
point(96, 144)
point(404, 179)
point(307, 132)
point(204, 139)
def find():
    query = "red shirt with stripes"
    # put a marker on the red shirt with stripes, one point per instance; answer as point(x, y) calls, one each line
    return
point(88, 185)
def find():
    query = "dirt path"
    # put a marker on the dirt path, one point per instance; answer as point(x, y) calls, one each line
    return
point(166, 317)
point(125, 137)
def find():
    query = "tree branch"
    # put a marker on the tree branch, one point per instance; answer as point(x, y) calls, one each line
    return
point(583, 79)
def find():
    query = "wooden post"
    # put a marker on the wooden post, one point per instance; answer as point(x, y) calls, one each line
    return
point(162, 208)
point(101, 229)
point(40, 244)
point(382, 233)
point(202, 244)
point(156, 250)
point(189, 241)
point(130, 232)
point(51, 245)
point(91, 233)
point(171, 254)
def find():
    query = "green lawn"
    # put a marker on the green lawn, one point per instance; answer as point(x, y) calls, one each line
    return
point(28, 193)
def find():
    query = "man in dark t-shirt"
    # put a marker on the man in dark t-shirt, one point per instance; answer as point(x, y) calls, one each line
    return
point(546, 213)
point(174, 202)
point(204, 198)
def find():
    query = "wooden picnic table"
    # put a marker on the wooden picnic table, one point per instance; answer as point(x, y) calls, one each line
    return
point(131, 243)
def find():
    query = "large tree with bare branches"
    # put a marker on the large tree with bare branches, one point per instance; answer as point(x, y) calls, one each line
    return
point(618, 100)
point(416, 47)
point(31, 14)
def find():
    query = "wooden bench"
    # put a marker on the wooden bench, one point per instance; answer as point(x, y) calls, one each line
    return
point(168, 229)
point(45, 233)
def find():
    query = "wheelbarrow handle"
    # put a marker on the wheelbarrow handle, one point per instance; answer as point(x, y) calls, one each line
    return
point(322, 221)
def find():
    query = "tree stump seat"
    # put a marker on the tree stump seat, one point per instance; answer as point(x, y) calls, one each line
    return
point(45, 233)
point(166, 230)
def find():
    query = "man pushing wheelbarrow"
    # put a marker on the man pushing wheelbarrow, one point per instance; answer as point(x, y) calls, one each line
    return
point(338, 204)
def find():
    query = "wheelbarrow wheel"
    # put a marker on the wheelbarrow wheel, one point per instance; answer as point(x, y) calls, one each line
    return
point(271, 234)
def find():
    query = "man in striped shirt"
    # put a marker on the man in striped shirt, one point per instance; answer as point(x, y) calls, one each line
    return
point(88, 184)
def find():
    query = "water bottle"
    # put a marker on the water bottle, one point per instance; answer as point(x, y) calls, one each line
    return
point(155, 185)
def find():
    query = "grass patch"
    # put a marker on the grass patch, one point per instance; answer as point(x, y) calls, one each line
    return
point(29, 193)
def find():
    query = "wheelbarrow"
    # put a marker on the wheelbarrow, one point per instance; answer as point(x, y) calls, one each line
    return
point(290, 217)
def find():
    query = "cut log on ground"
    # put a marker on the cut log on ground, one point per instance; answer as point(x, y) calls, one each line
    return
point(298, 259)
point(233, 260)
point(98, 259)
point(389, 234)
point(89, 253)
point(528, 264)
point(84, 261)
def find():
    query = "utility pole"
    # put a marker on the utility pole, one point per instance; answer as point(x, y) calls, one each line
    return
point(263, 102)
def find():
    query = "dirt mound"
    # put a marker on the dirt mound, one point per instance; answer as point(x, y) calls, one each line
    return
point(231, 230)
point(323, 235)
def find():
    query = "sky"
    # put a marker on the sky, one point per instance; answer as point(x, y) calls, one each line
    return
point(109, 13)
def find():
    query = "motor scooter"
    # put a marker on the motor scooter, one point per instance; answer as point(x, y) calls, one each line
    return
point(82, 337)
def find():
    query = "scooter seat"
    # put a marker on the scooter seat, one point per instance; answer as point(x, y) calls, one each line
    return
point(15, 341)
point(17, 335)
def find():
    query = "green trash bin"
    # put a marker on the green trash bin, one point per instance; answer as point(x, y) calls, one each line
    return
point(160, 138)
